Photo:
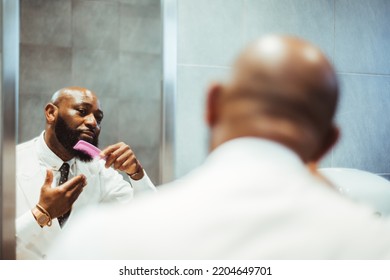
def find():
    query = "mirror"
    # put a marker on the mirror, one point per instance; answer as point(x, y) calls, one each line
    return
point(111, 47)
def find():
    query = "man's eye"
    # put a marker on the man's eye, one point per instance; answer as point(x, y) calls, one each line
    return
point(98, 120)
point(82, 111)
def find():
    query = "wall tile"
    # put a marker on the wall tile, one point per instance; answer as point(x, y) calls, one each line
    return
point(150, 160)
point(209, 31)
point(1, 73)
point(140, 28)
point(95, 25)
point(46, 22)
point(192, 139)
point(141, 2)
point(140, 76)
point(31, 115)
point(1, 28)
point(364, 105)
point(100, 0)
point(311, 20)
point(44, 69)
point(140, 122)
point(97, 70)
point(362, 37)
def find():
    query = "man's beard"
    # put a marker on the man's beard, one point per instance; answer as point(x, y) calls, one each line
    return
point(69, 137)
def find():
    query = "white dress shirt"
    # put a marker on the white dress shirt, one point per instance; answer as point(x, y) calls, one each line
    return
point(251, 199)
point(103, 185)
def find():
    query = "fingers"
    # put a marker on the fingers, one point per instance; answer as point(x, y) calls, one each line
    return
point(121, 157)
point(74, 194)
point(73, 188)
point(110, 149)
point(130, 165)
point(113, 157)
point(127, 156)
point(76, 182)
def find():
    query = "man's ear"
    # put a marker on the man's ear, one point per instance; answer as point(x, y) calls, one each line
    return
point(51, 113)
point(329, 141)
point(213, 96)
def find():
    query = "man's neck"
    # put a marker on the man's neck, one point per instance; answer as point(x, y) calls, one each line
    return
point(56, 147)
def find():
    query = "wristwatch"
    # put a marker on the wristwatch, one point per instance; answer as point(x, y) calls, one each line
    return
point(41, 215)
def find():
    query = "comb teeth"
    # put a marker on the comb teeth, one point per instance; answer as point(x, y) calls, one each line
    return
point(87, 148)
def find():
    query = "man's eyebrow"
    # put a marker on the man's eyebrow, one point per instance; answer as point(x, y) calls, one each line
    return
point(89, 105)
point(83, 103)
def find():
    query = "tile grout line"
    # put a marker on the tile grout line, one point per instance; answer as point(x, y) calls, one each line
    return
point(204, 66)
point(362, 74)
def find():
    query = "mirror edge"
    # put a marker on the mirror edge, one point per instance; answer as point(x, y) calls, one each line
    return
point(168, 90)
point(9, 113)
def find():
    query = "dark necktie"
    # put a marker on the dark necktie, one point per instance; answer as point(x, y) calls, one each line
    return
point(64, 177)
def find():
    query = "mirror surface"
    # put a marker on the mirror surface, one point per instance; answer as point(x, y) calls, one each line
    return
point(110, 47)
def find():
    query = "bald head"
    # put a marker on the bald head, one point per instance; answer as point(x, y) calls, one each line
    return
point(71, 93)
point(284, 89)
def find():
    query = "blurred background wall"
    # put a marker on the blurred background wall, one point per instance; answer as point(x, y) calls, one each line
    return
point(1, 49)
point(355, 34)
point(110, 47)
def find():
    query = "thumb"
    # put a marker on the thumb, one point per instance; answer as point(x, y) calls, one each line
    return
point(48, 178)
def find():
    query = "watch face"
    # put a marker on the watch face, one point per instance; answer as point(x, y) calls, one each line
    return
point(42, 219)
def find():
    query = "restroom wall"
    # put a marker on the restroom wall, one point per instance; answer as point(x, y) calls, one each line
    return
point(1, 48)
point(110, 47)
point(354, 34)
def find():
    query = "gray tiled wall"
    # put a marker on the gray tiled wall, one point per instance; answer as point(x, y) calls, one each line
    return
point(110, 46)
point(362, 36)
point(210, 31)
point(309, 19)
point(355, 34)
point(191, 128)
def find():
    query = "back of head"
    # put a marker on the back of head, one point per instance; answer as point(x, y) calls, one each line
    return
point(283, 89)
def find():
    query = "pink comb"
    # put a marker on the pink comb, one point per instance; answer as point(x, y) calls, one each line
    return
point(87, 148)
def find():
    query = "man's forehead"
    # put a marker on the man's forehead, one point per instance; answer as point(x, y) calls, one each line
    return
point(79, 96)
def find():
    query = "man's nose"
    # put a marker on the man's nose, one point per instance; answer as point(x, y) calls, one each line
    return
point(91, 121)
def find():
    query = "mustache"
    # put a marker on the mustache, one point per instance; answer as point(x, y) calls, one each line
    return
point(88, 131)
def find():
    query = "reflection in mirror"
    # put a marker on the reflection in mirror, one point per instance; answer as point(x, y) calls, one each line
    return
point(110, 47)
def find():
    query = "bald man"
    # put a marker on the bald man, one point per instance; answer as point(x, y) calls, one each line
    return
point(55, 181)
point(254, 197)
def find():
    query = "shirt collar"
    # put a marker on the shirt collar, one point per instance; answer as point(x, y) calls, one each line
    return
point(48, 157)
point(243, 149)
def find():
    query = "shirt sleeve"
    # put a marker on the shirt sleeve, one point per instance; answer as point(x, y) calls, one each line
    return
point(116, 188)
point(32, 239)
point(27, 230)
point(143, 185)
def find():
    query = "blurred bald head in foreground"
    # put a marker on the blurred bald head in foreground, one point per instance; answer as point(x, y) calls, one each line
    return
point(283, 89)
point(253, 197)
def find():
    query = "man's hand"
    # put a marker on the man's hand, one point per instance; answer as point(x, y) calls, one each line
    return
point(121, 157)
point(57, 201)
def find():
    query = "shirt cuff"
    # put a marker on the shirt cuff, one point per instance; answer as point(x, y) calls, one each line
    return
point(142, 185)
